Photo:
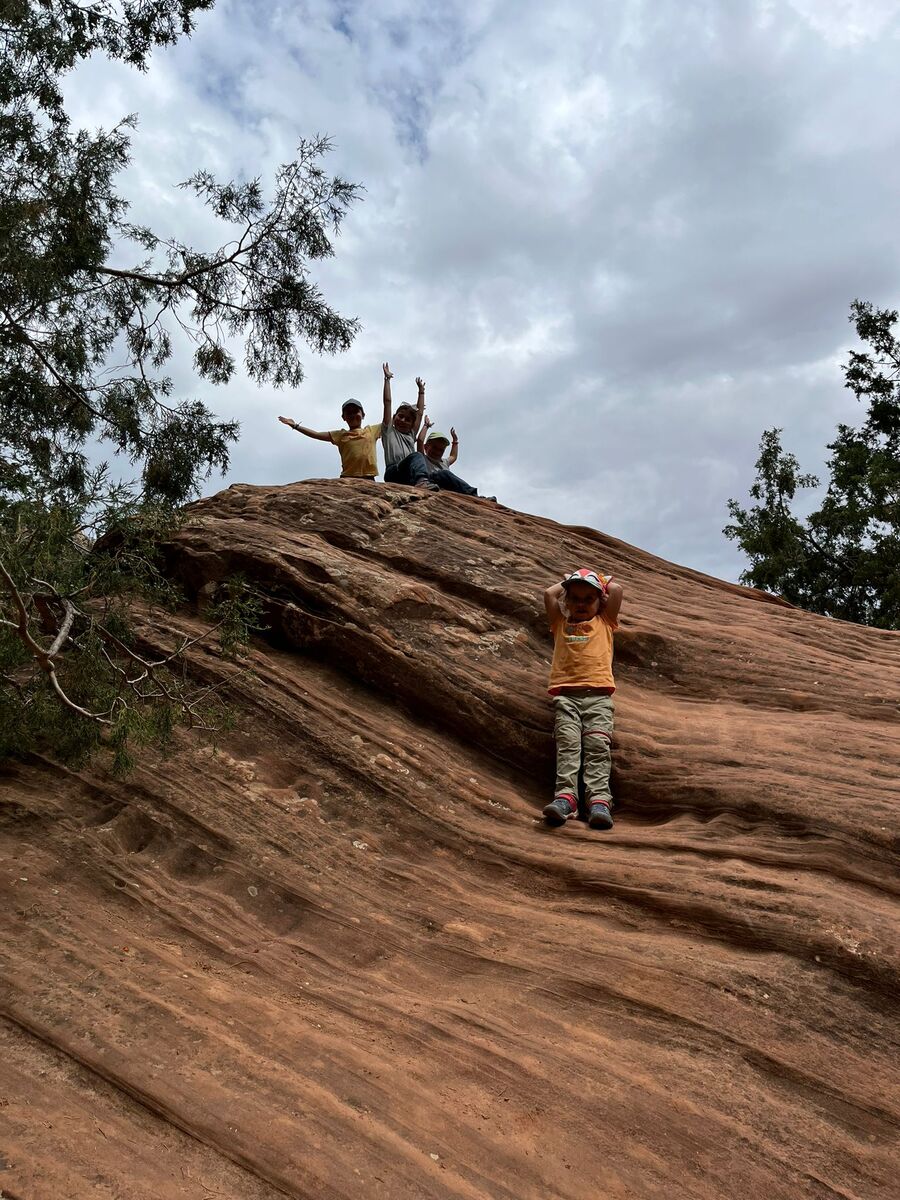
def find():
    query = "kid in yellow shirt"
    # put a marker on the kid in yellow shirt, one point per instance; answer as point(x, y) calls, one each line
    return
point(356, 443)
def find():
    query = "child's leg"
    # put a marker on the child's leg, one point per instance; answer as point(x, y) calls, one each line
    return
point(597, 717)
point(567, 729)
point(408, 470)
point(452, 483)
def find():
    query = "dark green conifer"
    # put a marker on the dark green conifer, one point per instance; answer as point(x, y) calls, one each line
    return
point(842, 560)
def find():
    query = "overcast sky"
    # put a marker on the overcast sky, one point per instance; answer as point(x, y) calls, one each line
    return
point(618, 240)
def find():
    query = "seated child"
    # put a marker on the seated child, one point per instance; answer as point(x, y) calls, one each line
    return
point(403, 463)
point(583, 612)
point(356, 443)
point(434, 446)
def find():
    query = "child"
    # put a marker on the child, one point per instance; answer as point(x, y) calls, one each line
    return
point(434, 446)
point(583, 612)
point(403, 463)
point(356, 444)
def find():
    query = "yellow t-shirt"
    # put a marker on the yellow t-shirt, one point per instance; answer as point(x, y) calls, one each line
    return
point(582, 655)
point(357, 446)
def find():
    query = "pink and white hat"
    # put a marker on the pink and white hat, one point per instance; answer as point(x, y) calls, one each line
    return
point(586, 575)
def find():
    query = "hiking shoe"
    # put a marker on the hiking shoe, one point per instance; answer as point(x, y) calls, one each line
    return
point(427, 486)
point(558, 811)
point(599, 817)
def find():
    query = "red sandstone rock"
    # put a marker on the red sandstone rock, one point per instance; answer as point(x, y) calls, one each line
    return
point(341, 957)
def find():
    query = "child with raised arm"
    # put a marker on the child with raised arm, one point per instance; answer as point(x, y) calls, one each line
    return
point(583, 613)
point(403, 463)
point(356, 443)
point(433, 445)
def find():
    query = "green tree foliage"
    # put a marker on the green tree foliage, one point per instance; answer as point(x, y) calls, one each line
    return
point(67, 315)
point(842, 560)
point(84, 342)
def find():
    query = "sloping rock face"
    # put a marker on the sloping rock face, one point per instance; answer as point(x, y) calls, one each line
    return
point(340, 956)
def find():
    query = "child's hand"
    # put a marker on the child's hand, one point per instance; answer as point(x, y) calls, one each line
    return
point(428, 422)
point(388, 373)
point(420, 383)
point(288, 421)
point(453, 434)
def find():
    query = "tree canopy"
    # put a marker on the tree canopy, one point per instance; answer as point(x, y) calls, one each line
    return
point(83, 342)
point(843, 560)
point(91, 307)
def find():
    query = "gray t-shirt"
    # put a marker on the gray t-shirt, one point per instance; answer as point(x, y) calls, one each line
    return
point(396, 445)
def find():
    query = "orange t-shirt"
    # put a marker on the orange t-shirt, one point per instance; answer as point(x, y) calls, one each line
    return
point(582, 655)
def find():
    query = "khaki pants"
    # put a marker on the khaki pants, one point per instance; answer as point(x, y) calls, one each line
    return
point(584, 725)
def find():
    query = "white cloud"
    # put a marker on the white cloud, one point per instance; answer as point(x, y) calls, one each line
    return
point(849, 22)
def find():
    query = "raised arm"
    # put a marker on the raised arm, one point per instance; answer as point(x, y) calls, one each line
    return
point(292, 424)
point(552, 607)
point(613, 603)
point(454, 447)
point(388, 376)
point(420, 440)
point(420, 403)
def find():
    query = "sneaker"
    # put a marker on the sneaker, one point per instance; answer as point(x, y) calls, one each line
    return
point(599, 817)
point(427, 486)
point(558, 811)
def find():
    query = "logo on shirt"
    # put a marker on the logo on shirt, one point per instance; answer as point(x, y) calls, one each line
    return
point(576, 634)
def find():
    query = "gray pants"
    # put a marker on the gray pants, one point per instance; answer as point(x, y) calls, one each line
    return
point(584, 725)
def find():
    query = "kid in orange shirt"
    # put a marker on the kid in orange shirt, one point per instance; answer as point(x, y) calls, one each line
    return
point(583, 612)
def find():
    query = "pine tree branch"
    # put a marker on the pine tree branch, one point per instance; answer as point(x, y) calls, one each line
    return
point(75, 392)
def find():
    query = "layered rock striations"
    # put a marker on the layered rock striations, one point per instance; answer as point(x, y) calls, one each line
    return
point(338, 955)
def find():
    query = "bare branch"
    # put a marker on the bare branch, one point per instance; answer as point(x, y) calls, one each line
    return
point(22, 626)
point(63, 636)
point(100, 718)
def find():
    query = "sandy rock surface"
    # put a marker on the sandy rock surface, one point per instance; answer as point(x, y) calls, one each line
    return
point(340, 956)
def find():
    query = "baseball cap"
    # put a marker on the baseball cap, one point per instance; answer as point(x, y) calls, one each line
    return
point(436, 436)
point(351, 403)
point(586, 575)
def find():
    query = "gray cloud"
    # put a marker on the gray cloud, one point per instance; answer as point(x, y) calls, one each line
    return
point(618, 241)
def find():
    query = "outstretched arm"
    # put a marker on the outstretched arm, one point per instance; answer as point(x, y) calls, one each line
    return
point(454, 447)
point(420, 403)
point(552, 606)
point(388, 376)
point(420, 440)
point(321, 437)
